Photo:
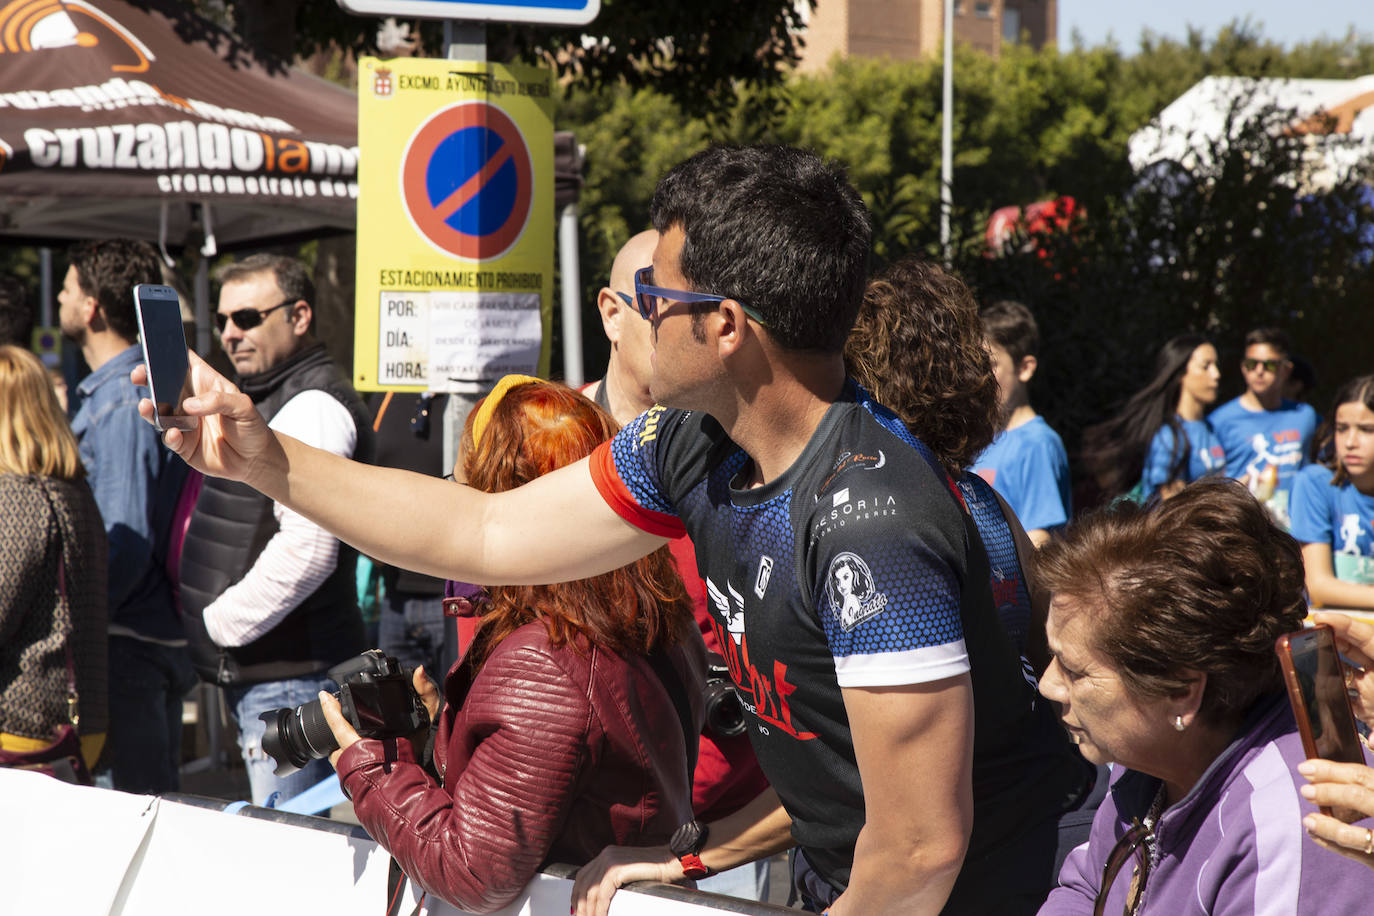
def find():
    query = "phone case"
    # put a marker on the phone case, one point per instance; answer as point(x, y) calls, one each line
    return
point(1319, 639)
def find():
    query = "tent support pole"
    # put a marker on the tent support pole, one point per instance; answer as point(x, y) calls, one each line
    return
point(45, 297)
point(202, 285)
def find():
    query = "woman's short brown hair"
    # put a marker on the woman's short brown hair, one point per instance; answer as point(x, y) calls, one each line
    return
point(35, 437)
point(1204, 582)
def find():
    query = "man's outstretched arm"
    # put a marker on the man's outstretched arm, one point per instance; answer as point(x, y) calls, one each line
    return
point(553, 529)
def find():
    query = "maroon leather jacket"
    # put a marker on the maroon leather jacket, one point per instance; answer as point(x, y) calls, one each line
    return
point(547, 755)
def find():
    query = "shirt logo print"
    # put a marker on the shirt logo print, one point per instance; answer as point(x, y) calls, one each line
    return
point(765, 573)
point(850, 590)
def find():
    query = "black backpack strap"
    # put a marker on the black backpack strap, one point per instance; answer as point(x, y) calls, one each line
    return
point(667, 674)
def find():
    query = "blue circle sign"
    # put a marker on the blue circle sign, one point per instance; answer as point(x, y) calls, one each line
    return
point(467, 181)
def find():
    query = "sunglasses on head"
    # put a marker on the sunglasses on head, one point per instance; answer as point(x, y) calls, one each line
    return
point(1270, 365)
point(247, 319)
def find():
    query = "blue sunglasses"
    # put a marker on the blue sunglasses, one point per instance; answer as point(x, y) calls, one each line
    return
point(647, 296)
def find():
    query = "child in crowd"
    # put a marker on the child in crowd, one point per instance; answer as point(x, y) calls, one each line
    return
point(1159, 440)
point(1026, 463)
point(1333, 504)
point(1265, 435)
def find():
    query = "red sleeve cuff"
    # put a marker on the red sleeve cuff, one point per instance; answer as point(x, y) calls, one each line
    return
point(622, 502)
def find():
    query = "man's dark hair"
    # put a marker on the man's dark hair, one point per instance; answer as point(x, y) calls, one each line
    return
point(1273, 337)
point(1012, 327)
point(776, 228)
point(291, 276)
point(16, 312)
point(108, 270)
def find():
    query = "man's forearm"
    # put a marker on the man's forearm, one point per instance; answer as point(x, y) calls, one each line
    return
point(760, 829)
point(891, 877)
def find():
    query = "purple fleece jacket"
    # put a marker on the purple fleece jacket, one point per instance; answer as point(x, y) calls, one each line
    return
point(1233, 845)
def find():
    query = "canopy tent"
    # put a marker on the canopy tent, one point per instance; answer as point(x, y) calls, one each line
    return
point(1337, 117)
point(152, 123)
point(118, 120)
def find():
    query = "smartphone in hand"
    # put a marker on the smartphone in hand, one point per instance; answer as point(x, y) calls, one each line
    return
point(1315, 676)
point(164, 353)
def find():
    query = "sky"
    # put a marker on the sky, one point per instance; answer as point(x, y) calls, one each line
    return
point(1288, 22)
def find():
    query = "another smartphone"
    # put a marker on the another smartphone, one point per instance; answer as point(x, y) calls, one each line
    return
point(164, 353)
point(1317, 691)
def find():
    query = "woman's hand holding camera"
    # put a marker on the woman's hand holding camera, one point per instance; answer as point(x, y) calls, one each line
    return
point(346, 735)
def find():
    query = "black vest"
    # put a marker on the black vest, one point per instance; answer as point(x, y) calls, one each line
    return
point(231, 525)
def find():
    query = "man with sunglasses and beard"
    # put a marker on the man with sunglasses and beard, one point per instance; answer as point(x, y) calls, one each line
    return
point(270, 597)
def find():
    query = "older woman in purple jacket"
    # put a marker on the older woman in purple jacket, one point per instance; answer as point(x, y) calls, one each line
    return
point(1161, 630)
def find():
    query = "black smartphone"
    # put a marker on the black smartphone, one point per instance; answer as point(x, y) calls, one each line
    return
point(1317, 691)
point(164, 353)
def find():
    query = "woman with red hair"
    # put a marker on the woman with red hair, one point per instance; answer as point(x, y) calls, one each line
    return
point(569, 723)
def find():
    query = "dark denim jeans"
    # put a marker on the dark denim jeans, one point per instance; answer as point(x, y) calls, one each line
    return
point(143, 745)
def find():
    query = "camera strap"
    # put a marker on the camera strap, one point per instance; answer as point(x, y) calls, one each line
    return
point(677, 693)
point(395, 884)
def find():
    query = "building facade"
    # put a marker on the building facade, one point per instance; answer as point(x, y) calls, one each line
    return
point(908, 29)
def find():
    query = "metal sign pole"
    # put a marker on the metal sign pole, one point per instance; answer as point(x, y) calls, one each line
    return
point(463, 40)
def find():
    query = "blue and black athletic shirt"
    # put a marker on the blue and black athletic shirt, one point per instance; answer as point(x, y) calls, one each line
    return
point(857, 567)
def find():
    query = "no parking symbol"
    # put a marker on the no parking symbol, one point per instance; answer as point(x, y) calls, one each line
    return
point(467, 181)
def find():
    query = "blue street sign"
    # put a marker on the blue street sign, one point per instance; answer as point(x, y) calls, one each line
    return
point(547, 12)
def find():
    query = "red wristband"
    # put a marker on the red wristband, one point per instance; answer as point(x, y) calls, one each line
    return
point(693, 867)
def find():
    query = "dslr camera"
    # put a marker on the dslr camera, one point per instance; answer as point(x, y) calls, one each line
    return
point(724, 709)
point(377, 698)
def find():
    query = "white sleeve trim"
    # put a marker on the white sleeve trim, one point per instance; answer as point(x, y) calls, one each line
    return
point(301, 555)
point(910, 666)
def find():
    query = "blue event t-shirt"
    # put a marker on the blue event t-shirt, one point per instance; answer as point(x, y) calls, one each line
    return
point(1029, 467)
point(1205, 455)
point(1257, 441)
point(1340, 516)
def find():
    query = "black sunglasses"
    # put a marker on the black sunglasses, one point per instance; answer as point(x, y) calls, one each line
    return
point(1130, 846)
point(247, 319)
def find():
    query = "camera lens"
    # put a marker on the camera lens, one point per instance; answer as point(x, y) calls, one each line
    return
point(724, 712)
point(294, 737)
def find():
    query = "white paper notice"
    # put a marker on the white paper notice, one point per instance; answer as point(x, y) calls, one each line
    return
point(476, 338)
point(403, 334)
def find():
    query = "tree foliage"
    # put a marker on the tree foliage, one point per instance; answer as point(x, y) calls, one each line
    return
point(697, 53)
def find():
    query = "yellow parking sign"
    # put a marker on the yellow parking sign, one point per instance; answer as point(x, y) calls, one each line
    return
point(455, 224)
point(47, 344)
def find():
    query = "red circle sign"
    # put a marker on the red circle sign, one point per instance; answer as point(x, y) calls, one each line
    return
point(467, 181)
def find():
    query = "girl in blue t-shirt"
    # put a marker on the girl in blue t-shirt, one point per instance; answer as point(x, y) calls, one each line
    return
point(1160, 440)
point(1332, 504)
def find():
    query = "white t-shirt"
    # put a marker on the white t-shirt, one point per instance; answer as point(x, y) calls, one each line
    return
point(301, 555)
